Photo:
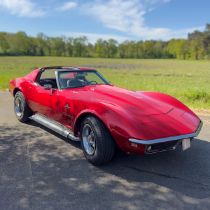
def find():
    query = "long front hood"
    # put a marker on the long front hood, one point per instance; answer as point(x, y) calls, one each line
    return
point(135, 103)
point(149, 115)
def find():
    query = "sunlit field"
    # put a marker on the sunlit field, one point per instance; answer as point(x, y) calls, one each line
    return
point(187, 80)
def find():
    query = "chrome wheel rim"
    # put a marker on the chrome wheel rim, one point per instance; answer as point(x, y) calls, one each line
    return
point(88, 138)
point(18, 107)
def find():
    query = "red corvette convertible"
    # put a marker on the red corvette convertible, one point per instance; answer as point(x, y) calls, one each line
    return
point(81, 105)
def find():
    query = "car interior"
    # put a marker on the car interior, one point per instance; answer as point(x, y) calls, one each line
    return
point(77, 81)
point(50, 82)
point(47, 79)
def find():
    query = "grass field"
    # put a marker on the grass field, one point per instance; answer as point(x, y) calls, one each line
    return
point(187, 80)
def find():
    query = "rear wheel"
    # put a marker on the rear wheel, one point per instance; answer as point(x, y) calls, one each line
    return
point(22, 111)
point(97, 143)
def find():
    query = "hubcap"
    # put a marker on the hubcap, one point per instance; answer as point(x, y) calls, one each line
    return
point(88, 138)
point(18, 107)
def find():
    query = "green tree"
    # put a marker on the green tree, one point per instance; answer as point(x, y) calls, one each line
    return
point(4, 46)
point(177, 48)
point(112, 48)
point(79, 47)
point(101, 48)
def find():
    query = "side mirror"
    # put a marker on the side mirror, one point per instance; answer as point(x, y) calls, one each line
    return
point(47, 86)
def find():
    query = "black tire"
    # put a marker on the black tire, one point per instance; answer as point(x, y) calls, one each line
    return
point(104, 144)
point(22, 111)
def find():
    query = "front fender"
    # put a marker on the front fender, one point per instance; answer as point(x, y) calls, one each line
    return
point(115, 118)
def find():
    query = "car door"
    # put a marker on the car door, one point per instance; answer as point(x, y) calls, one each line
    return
point(62, 100)
point(62, 107)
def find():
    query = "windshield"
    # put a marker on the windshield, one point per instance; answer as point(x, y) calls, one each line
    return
point(73, 79)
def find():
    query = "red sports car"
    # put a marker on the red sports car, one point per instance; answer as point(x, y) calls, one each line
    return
point(81, 105)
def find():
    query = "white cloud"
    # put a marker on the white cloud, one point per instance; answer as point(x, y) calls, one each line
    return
point(93, 37)
point(166, 33)
point(117, 14)
point(24, 8)
point(68, 6)
point(181, 33)
point(128, 17)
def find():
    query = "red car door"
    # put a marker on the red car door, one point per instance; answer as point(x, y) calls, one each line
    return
point(62, 101)
point(62, 107)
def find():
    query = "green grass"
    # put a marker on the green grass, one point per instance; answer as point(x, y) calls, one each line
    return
point(187, 80)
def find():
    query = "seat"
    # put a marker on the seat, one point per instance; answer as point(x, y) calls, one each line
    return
point(72, 83)
point(48, 82)
point(63, 83)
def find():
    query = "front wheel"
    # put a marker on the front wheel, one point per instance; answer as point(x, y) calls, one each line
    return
point(22, 111)
point(97, 143)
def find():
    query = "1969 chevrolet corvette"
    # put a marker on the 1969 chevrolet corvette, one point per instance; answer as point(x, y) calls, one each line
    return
point(81, 105)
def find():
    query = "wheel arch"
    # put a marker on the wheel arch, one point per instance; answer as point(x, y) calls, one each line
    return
point(82, 116)
point(16, 90)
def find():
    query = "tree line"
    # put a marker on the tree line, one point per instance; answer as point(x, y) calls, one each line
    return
point(196, 46)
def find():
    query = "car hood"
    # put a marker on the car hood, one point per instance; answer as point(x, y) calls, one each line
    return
point(138, 103)
point(149, 115)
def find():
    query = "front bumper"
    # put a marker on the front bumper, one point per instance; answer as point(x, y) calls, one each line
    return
point(163, 144)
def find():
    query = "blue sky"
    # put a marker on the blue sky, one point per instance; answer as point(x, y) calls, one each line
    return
point(118, 19)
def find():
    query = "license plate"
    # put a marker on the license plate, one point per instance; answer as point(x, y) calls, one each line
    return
point(185, 144)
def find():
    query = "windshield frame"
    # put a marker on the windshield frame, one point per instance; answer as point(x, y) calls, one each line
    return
point(59, 71)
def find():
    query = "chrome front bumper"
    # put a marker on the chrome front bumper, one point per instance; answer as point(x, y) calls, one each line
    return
point(167, 139)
